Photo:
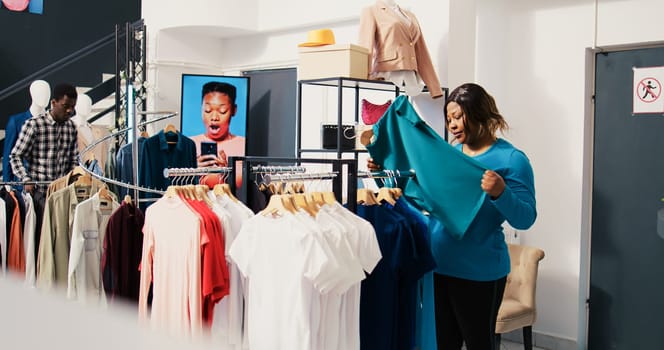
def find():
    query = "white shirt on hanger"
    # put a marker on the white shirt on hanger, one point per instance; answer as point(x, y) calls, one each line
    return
point(30, 225)
point(365, 243)
point(84, 281)
point(227, 324)
point(282, 261)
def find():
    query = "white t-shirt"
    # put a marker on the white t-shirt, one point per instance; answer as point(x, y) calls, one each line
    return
point(365, 243)
point(227, 323)
point(283, 262)
point(331, 322)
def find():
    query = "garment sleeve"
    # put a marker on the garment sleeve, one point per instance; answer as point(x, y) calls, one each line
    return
point(46, 252)
point(145, 169)
point(109, 258)
point(75, 251)
point(241, 249)
point(73, 150)
point(425, 67)
point(21, 149)
point(29, 238)
point(517, 202)
point(367, 36)
point(146, 270)
point(3, 233)
point(369, 252)
point(10, 141)
point(316, 259)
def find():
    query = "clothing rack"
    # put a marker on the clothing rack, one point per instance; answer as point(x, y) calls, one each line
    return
point(133, 187)
point(22, 183)
point(174, 172)
point(268, 178)
point(337, 168)
point(269, 169)
point(386, 173)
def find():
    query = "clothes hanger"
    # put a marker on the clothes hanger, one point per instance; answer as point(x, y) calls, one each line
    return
point(385, 194)
point(201, 191)
point(366, 197)
point(329, 197)
point(171, 192)
point(127, 199)
point(300, 201)
point(312, 199)
point(105, 198)
point(77, 171)
point(396, 192)
point(83, 180)
point(224, 189)
point(170, 128)
point(277, 205)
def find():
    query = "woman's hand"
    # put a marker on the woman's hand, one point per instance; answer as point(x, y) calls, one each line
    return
point(372, 166)
point(493, 184)
point(207, 160)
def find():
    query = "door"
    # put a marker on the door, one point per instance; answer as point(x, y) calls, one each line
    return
point(271, 122)
point(626, 306)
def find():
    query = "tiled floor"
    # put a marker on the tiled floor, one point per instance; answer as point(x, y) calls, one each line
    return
point(508, 345)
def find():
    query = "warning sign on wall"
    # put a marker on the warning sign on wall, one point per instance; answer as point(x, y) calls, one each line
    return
point(647, 90)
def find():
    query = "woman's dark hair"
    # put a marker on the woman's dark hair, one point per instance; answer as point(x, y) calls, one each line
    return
point(62, 90)
point(217, 86)
point(482, 118)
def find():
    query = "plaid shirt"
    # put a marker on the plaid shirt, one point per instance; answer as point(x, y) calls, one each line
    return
point(48, 148)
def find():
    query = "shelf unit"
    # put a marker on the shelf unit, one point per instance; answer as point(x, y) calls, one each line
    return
point(340, 84)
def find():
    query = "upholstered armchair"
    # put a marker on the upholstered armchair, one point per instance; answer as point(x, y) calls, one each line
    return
point(518, 309)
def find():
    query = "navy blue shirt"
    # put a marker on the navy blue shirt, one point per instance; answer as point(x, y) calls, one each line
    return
point(158, 154)
point(387, 299)
point(12, 130)
point(420, 262)
point(124, 166)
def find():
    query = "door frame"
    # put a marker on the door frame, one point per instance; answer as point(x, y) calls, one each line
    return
point(587, 180)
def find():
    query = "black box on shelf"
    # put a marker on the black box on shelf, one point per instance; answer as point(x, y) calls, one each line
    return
point(329, 136)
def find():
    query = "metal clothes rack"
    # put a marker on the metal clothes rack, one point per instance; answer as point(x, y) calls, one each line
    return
point(268, 178)
point(135, 188)
point(174, 172)
point(21, 183)
point(337, 168)
point(386, 173)
point(270, 169)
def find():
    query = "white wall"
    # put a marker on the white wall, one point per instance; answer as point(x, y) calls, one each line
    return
point(529, 54)
point(534, 67)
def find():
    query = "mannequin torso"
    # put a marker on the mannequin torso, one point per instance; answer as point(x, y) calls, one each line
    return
point(83, 111)
point(407, 80)
point(40, 92)
point(395, 7)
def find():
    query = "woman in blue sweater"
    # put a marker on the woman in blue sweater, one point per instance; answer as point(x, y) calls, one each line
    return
point(472, 270)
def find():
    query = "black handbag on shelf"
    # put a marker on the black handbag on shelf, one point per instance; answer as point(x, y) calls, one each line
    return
point(329, 136)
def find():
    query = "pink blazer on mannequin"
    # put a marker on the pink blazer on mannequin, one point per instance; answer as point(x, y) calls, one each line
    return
point(395, 45)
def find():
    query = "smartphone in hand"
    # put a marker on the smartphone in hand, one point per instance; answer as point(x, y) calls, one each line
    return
point(209, 148)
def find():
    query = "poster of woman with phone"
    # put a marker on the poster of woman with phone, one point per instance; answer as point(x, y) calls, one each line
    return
point(220, 103)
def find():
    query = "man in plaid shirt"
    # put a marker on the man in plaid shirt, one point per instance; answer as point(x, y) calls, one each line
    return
point(47, 143)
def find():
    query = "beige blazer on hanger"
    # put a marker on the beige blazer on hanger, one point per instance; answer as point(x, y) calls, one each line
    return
point(396, 45)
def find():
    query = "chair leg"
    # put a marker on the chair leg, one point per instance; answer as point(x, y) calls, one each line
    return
point(528, 338)
point(497, 344)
